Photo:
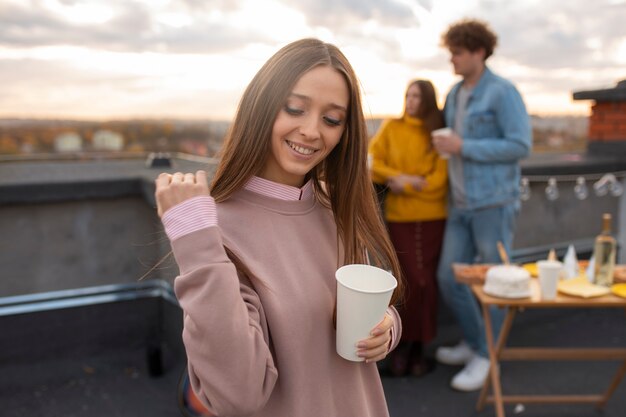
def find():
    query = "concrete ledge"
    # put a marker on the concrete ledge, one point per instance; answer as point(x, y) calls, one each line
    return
point(48, 180)
point(548, 164)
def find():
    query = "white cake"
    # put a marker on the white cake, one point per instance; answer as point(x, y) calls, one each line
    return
point(507, 281)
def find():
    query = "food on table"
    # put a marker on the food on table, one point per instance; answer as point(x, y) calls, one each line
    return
point(470, 273)
point(619, 290)
point(581, 287)
point(532, 269)
point(507, 281)
point(476, 273)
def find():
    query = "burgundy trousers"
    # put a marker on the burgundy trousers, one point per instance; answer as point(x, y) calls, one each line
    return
point(418, 246)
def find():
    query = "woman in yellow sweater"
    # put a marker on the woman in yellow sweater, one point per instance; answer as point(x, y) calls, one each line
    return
point(403, 159)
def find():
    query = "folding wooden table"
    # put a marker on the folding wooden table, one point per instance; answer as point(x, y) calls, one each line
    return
point(499, 352)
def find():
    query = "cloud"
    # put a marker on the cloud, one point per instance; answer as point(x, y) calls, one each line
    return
point(338, 14)
point(133, 27)
point(565, 34)
point(204, 5)
point(207, 26)
point(125, 49)
point(55, 82)
point(552, 49)
point(371, 25)
point(33, 87)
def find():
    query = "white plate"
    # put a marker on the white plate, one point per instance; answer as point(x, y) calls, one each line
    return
point(513, 296)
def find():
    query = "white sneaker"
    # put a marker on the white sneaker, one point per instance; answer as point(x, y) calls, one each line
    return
point(460, 354)
point(473, 376)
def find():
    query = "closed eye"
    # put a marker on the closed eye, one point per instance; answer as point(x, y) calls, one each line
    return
point(293, 111)
point(332, 121)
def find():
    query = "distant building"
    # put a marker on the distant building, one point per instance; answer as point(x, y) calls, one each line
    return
point(555, 141)
point(106, 140)
point(68, 142)
point(607, 127)
point(27, 147)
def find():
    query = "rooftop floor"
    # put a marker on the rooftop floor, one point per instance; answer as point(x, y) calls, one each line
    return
point(104, 372)
point(93, 362)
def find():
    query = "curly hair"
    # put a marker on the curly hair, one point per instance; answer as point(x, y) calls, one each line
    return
point(472, 35)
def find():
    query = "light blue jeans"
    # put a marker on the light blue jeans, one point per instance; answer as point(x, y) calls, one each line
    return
point(471, 236)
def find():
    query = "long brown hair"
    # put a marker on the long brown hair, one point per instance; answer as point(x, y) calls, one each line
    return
point(428, 109)
point(341, 181)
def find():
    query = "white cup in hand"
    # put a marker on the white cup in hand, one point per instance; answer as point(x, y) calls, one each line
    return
point(444, 131)
point(363, 295)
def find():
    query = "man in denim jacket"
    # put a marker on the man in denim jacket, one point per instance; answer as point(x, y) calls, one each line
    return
point(491, 133)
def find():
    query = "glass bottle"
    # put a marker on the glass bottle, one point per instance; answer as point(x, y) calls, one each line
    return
point(604, 254)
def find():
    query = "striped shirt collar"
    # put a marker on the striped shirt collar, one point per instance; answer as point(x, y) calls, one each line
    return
point(280, 191)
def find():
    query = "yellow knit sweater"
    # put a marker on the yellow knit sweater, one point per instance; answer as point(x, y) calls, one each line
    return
point(403, 146)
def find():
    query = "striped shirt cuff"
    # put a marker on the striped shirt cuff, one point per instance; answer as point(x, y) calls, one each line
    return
point(189, 216)
point(392, 342)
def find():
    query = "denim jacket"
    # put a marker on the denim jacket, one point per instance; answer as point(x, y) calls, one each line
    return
point(496, 135)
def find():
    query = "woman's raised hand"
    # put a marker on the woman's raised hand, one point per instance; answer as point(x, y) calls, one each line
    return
point(172, 189)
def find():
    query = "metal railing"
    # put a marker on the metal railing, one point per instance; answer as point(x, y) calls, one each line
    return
point(37, 302)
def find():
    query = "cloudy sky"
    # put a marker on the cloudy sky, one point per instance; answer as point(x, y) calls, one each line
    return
point(101, 59)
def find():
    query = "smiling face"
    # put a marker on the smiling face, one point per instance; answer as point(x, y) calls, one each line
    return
point(308, 126)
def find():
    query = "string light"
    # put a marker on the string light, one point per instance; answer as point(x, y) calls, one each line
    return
point(602, 185)
point(552, 191)
point(616, 188)
point(608, 184)
point(524, 189)
point(580, 189)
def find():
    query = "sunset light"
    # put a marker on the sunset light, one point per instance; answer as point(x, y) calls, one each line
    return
point(115, 59)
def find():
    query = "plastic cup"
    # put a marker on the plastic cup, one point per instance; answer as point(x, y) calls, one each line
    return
point(363, 295)
point(549, 274)
point(444, 131)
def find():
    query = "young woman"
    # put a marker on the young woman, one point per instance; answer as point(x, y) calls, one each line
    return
point(404, 159)
point(290, 202)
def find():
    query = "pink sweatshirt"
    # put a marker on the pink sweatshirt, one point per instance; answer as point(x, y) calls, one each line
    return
point(264, 344)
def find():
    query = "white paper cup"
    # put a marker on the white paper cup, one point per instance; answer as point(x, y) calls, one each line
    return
point(549, 274)
point(444, 131)
point(363, 294)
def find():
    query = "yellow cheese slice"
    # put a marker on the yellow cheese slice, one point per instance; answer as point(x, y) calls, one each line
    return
point(581, 287)
point(531, 267)
point(619, 290)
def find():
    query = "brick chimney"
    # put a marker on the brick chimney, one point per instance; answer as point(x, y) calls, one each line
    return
point(607, 124)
